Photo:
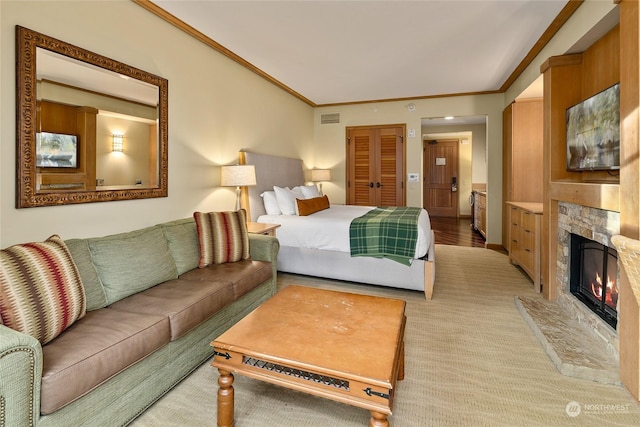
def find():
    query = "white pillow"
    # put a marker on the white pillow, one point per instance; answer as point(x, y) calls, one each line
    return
point(298, 191)
point(287, 200)
point(270, 203)
point(310, 191)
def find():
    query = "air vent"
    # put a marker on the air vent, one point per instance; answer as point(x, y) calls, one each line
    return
point(330, 118)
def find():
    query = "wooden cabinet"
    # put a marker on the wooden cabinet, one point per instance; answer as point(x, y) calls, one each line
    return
point(524, 238)
point(523, 127)
point(481, 212)
point(375, 165)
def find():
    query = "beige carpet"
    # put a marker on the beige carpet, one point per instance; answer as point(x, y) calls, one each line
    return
point(471, 360)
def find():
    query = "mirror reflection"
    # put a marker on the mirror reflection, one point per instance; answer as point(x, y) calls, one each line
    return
point(100, 127)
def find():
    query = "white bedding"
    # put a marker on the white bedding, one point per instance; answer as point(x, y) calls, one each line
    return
point(329, 229)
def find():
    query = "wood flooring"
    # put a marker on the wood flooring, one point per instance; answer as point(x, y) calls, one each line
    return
point(456, 231)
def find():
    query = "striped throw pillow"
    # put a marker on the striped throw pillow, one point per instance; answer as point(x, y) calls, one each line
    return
point(41, 293)
point(222, 237)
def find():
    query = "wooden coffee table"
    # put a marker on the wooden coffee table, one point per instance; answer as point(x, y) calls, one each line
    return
point(340, 346)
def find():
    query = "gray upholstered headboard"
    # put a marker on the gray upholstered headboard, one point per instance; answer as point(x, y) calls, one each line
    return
point(270, 171)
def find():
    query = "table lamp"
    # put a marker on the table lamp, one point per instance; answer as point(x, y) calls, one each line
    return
point(320, 176)
point(238, 176)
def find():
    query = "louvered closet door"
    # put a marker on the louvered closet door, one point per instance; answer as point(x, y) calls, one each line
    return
point(375, 166)
point(360, 143)
point(388, 184)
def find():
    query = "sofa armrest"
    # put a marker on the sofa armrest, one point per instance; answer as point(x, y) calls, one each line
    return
point(20, 378)
point(265, 248)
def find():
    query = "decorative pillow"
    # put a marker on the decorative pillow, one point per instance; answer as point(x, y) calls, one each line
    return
point(222, 237)
point(287, 199)
point(270, 203)
point(310, 191)
point(41, 292)
point(309, 206)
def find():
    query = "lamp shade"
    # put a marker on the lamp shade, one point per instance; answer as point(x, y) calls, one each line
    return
point(238, 175)
point(319, 175)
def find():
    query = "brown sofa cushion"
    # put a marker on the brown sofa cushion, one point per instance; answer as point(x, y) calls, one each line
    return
point(185, 303)
point(95, 348)
point(244, 275)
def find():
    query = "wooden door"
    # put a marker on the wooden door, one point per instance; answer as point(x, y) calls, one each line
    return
point(441, 176)
point(389, 165)
point(361, 166)
point(375, 165)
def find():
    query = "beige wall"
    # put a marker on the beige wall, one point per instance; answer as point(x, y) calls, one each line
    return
point(216, 107)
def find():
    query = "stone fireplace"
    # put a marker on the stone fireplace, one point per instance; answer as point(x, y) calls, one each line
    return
point(591, 224)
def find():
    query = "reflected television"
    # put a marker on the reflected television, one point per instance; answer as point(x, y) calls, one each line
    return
point(56, 150)
point(593, 132)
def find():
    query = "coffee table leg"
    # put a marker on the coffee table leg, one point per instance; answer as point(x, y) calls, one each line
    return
point(225, 399)
point(401, 367)
point(378, 420)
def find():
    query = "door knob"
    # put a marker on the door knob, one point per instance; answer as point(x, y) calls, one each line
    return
point(371, 185)
point(378, 185)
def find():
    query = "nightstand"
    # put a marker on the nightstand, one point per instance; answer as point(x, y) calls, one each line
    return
point(259, 228)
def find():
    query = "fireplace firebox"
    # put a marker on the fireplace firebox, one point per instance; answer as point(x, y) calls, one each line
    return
point(593, 277)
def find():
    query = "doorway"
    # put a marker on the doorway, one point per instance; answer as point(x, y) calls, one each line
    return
point(471, 132)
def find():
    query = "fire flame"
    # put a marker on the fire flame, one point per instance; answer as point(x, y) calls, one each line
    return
point(612, 290)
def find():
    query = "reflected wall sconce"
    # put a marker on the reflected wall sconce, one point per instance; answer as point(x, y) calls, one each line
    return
point(238, 176)
point(320, 176)
point(118, 143)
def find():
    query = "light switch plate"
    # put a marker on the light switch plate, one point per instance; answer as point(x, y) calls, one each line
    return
point(412, 133)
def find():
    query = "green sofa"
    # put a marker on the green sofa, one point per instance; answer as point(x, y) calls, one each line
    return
point(151, 315)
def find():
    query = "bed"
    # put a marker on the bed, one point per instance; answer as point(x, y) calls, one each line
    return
point(318, 244)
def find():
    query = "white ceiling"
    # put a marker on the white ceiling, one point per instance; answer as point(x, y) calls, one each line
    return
point(353, 51)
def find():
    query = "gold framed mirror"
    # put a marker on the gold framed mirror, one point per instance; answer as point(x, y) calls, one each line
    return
point(88, 128)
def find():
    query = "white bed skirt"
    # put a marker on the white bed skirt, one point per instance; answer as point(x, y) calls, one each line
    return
point(341, 266)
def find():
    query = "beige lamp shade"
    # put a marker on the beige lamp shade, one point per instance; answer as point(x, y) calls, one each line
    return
point(238, 176)
point(320, 175)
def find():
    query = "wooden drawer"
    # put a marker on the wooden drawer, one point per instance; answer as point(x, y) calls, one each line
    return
point(528, 221)
point(527, 240)
point(515, 216)
point(524, 239)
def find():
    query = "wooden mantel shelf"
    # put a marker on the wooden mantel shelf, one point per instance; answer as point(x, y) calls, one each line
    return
point(592, 194)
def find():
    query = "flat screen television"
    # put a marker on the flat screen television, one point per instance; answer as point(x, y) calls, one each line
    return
point(593, 132)
point(56, 150)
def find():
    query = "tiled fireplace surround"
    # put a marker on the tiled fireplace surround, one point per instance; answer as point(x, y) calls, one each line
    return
point(598, 225)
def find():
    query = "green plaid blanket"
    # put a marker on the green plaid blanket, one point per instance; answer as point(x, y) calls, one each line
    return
point(389, 232)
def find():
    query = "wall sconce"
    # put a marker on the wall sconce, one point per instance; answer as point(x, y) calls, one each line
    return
point(118, 143)
point(238, 176)
point(320, 176)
